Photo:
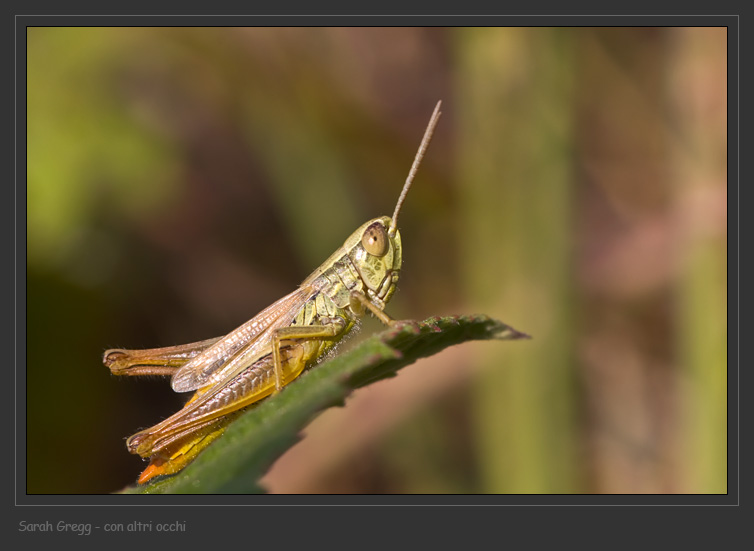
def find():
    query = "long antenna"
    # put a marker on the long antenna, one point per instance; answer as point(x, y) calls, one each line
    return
point(417, 160)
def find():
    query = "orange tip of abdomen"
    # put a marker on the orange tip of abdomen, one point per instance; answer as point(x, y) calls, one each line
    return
point(155, 469)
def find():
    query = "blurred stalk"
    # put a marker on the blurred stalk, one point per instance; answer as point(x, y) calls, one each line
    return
point(514, 126)
point(698, 96)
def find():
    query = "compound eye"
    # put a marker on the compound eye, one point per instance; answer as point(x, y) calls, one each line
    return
point(375, 240)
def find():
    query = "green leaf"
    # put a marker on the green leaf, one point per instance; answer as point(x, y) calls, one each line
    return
point(236, 461)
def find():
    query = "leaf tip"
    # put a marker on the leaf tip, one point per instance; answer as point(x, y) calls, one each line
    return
point(510, 334)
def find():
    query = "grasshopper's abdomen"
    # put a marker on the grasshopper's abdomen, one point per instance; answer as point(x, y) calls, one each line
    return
point(253, 383)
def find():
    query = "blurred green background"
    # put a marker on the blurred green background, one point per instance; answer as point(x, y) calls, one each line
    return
point(181, 179)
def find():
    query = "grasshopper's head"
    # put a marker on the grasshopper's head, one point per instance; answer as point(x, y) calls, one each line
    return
point(375, 250)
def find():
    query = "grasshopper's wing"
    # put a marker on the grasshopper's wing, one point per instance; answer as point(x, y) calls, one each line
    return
point(241, 347)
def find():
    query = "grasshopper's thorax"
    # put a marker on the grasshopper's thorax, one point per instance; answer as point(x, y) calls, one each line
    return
point(369, 262)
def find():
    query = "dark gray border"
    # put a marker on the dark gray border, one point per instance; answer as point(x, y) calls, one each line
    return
point(237, 511)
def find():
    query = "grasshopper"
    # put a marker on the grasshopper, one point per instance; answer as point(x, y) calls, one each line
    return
point(260, 357)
